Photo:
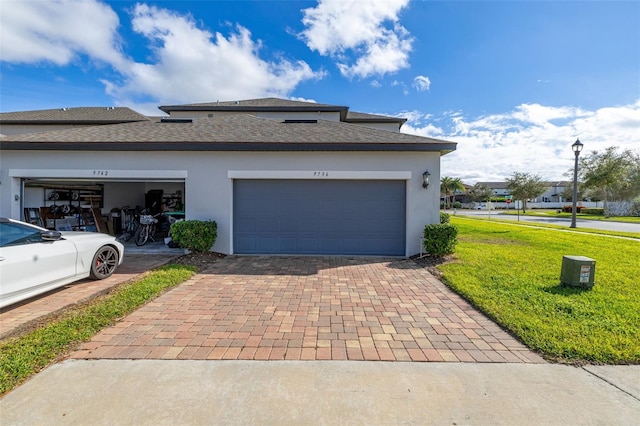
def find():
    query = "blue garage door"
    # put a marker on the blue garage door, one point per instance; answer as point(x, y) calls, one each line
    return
point(319, 217)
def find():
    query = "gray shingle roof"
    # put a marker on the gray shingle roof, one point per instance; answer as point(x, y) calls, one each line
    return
point(261, 102)
point(256, 105)
point(361, 117)
point(277, 104)
point(494, 185)
point(227, 133)
point(80, 115)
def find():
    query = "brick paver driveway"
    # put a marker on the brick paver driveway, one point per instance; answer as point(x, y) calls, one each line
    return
point(309, 308)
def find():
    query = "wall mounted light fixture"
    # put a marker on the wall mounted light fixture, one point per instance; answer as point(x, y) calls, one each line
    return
point(425, 179)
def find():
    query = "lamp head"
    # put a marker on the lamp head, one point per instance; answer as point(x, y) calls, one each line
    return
point(577, 146)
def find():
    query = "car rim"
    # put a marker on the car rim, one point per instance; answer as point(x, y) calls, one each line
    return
point(106, 262)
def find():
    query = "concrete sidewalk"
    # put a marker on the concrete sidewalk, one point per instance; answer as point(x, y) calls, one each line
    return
point(152, 392)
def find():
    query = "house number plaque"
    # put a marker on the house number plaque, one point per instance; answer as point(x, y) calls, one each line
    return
point(320, 174)
point(101, 172)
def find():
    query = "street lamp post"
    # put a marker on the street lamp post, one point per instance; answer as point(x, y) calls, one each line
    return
point(576, 147)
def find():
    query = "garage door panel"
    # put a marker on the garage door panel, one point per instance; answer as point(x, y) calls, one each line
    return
point(266, 224)
point(249, 226)
point(288, 208)
point(288, 225)
point(309, 245)
point(331, 245)
point(346, 226)
point(245, 245)
point(287, 244)
point(319, 217)
point(267, 244)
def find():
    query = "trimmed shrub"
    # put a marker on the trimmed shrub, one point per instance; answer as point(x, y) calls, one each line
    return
point(569, 209)
point(195, 235)
point(444, 217)
point(440, 239)
point(594, 211)
point(457, 205)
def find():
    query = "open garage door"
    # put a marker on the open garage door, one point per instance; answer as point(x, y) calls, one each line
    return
point(72, 201)
point(328, 217)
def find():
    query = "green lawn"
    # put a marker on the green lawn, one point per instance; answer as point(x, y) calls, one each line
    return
point(512, 273)
point(23, 356)
point(554, 213)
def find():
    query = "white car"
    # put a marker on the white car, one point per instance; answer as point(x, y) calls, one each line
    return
point(35, 260)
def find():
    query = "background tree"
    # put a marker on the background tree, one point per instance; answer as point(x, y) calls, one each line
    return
point(610, 175)
point(448, 187)
point(524, 186)
point(567, 193)
point(480, 192)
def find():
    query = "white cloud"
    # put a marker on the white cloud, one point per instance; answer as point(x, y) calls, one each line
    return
point(365, 30)
point(428, 130)
point(421, 83)
point(58, 31)
point(189, 64)
point(193, 65)
point(301, 99)
point(532, 138)
point(396, 83)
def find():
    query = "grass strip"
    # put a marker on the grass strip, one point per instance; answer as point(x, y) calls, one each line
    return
point(23, 356)
point(497, 218)
point(554, 214)
point(512, 273)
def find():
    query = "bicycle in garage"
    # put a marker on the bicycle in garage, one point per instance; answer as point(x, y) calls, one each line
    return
point(147, 228)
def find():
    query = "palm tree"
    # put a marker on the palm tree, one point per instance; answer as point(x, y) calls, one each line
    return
point(448, 187)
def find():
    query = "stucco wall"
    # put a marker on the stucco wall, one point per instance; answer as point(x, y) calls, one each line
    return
point(208, 189)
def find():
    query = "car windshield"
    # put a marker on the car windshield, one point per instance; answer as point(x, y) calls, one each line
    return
point(12, 234)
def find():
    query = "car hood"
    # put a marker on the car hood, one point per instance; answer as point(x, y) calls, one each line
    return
point(83, 236)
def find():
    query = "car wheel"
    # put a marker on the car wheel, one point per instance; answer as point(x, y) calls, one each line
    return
point(104, 263)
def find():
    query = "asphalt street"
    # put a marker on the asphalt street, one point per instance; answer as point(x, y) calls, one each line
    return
point(580, 223)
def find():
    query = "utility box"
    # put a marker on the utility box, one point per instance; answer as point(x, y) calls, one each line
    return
point(578, 271)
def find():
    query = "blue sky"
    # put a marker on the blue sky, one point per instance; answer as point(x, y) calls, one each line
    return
point(513, 82)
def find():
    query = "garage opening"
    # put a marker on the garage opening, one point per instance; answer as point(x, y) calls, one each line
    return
point(99, 205)
point(327, 217)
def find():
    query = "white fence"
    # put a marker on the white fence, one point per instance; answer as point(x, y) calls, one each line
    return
point(530, 205)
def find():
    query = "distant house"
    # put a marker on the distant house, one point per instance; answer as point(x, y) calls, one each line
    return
point(278, 176)
point(499, 189)
point(461, 196)
point(553, 194)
